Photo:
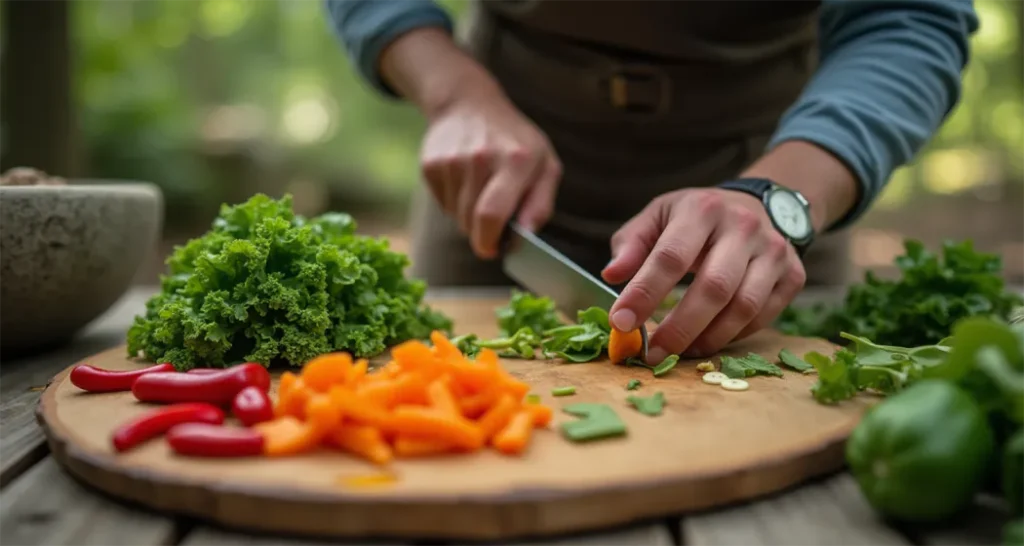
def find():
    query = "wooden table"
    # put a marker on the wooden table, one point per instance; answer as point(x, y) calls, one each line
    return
point(40, 503)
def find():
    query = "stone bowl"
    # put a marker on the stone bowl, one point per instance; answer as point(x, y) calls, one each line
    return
point(67, 254)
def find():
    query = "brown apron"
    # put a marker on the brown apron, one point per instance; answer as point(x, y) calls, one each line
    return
point(639, 98)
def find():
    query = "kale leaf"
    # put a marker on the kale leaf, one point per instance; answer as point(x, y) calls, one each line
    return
point(525, 310)
point(265, 284)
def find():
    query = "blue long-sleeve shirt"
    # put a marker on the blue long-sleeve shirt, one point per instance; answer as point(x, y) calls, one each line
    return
point(889, 74)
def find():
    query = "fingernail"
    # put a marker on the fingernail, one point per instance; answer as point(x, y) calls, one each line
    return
point(624, 320)
point(656, 355)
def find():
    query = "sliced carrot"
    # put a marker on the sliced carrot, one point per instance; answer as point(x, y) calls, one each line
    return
point(514, 438)
point(443, 347)
point(357, 372)
point(514, 386)
point(363, 441)
point(411, 388)
point(542, 414)
point(498, 416)
point(415, 356)
point(433, 424)
point(623, 345)
point(285, 435)
point(323, 372)
point(359, 410)
point(472, 375)
point(285, 383)
point(292, 401)
point(475, 405)
point(408, 446)
point(441, 398)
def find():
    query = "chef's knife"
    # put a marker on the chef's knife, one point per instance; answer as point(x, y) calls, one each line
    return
point(545, 271)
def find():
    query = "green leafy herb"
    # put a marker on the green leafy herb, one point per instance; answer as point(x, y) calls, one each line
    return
point(918, 308)
point(650, 405)
point(265, 284)
point(666, 365)
point(576, 342)
point(748, 366)
point(794, 362)
point(563, 391)
point(633, 385)
point(525, 310)
point(598, 421)
point(836, 376)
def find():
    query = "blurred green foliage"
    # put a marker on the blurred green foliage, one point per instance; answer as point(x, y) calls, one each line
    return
point(163, 85)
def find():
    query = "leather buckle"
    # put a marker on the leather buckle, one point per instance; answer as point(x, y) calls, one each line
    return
point(639, 89)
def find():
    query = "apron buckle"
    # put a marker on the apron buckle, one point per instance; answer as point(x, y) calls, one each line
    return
point(640, 89)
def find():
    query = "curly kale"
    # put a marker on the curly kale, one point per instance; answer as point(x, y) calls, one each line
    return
point(265, 285)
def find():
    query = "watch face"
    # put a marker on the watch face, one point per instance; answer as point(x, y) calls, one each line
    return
point(790, 215)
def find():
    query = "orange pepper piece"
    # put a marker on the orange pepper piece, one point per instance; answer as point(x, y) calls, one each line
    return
point(433, 424)
point(475, 405)
point(498, 416)
point(542, 414)
point(623, 345)
point(357, 372)
point(359, 410)
point(289, 436)
point(515, 436)
point(444, 348)
point(363, 441)
point(325, 371)
point(441, 398)
point(292, 401)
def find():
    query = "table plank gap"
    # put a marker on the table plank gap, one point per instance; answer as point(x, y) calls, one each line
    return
point(822, 513)
point(46, 506)
point(981, 524)
point(208, 535)
point(647, 534)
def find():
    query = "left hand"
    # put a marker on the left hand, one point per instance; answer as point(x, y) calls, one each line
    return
point(745, 271)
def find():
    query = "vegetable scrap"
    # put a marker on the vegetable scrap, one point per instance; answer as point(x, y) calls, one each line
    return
point(706, 366)
point(633, 385)
point(794, 362)
point(714, 378)
point(563, 391)
point(650, 405)
point(749, 366)
point(657, 370)
point(366, 481)
point(264, 284)
point(623, 345)
point(735, 384)
point(597, 422)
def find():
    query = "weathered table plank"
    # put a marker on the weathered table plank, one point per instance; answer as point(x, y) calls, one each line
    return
point(45, 506)
point(827, 512)
point(979, 525)
point(216, 536)
point(650, 534)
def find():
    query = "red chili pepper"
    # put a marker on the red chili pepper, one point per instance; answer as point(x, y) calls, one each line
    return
point(93, 379)
point(154, 423)
point(205, 371)
point(214, 388)
point(202, 440)
point(251, 406)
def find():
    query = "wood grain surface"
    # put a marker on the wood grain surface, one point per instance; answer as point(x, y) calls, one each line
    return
point(709, 448)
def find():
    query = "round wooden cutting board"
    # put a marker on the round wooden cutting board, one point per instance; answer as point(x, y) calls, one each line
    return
point(708, 448)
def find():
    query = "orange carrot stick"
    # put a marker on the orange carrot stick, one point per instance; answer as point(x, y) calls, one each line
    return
point(542, 414)
point(357, 372)
point(363, 441)
point(498, 416)
point(441, 397)
point(623, 345)
point(325, 371)
point(407, 446)
point(359, 410)
point(514, 438)
point(431, 423)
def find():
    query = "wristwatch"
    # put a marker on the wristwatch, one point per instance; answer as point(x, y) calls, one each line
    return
point(788, 209)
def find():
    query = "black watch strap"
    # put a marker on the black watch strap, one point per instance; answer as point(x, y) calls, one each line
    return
point(754, 186)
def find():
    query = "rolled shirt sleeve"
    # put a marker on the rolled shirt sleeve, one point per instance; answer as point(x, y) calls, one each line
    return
point(889, 75)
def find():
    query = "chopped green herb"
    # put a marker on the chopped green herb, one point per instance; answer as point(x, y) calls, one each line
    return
point(467, 345)
point(575, 343)
point(794, 362)
point(666, 365)
point(525, 310)
point(633, 385)
point(533, 399)
point(651, 405)
point(748, 366)
point(522, 344)
point(563, 391)
point(597, 421)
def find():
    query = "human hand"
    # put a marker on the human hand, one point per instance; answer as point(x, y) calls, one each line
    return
point(746, 272)
point(484, 161)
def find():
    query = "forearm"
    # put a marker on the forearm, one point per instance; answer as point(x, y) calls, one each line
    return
point(889, 75)
point(428, 69)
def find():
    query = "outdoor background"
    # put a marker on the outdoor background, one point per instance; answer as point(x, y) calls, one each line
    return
point(214, 100)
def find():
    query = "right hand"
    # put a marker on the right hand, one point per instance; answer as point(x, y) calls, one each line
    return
point(484, 162)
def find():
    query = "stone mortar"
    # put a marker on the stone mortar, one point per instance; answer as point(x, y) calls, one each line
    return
point(67, 254)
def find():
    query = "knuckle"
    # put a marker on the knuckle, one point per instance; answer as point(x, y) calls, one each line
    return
point(746, 221)
point(717, 287)
point(776, 246)
point(797, 275)
point(643, 293)
point(670, 258)
point(673, 336)
point(519, 155)
point(746, 306)
point(555, 168)
point(710, 203)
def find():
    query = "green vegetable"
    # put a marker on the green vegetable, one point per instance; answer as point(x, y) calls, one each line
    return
point(522, 344)
point(650, 405)
point(920, 307)
point(748, 366)
point(467, 345)
point(527, 311)
point(987, 359)
point(563, 391)
point(598, 421)
point(794, 362)
point(922, 454)
point(267, 285)
point(533, 399)
point(576, 342)
point(666, 365)
point(633, 385)
point(866, 365)
point(1013, 472)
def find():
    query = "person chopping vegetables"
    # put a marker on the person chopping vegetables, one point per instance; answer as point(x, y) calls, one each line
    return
point(648, 140)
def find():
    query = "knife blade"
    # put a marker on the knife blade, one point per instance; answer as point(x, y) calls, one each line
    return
point(543, 270)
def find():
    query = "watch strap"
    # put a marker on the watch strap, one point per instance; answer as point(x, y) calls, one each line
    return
point(759, 188)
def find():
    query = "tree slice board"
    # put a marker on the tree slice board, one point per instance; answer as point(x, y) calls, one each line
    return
point(708, 448)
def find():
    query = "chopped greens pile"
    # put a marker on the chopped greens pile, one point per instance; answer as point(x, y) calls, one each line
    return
point(265, 284)
point(749, 366)
point(919, 307)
